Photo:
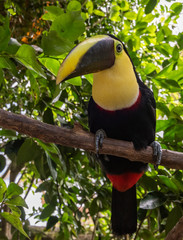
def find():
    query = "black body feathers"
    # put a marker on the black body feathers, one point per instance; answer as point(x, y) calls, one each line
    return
point(136, 124)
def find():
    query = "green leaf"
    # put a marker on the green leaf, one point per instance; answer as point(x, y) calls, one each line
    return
point(178, 184)
point(74, 6)
point(175, 53)
point(130, 15)
point(41, 166)
point(162, 125)
point(152, 200)
point(17, 201)
point(3, 189)
point(44, 186)
point(178, 110)
point(173, 218)
point(176, 74)
point(75, 81)
point(150, 67)
point(52, 12)
point(48, 116)
point(89, 78)
point(176, 8)
point(54, 154)
point(34, 84)
point(1, 77)
point(4, 63)
point(7, 133)
point(5, 35)
point(140, 15)
point(52, 167)
point(15, 210)
point(94, 208)
point(65, 217)
point(168, 182)
point(13, 46)
point(27, 152)
point(180, 40)
point(49, 147)
point(89, 6)
point(99, 13)
point(166, 71)
point(125, 6)
point(51, 64)
point(114, 13)
point(12, 67)
point(55, 45)
point(146, 235)
point(162, 107)
point(172, 83)
point(169, 84)
point(167, 32)
point(53, 151)
point(47, 211)
point(69, 26)
point(150, 6)
point(148, 183)
point(51, 222)
point(163, 50)
point(2, 162)
point(149, 18)
point(15, 221)
point(160, 36)
point(141, 214)
point(27, 56)
point(13, 190)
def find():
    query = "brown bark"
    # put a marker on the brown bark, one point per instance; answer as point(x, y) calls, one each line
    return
point(78, 138)
point(5, 226)
point(177, 232)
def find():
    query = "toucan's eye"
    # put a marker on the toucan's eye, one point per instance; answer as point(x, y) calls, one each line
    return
point(119, 48)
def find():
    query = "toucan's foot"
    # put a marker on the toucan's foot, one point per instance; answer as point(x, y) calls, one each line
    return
point(157, 153)
point(99, 137)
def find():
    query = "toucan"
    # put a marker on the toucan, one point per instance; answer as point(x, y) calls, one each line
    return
point(121, 107)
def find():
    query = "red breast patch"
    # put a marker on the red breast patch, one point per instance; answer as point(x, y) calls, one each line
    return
point(124, 181)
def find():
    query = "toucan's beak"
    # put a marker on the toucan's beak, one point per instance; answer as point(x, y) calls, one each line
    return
point(92, 55)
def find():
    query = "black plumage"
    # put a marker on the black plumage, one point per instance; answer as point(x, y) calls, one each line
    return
point(135, 124)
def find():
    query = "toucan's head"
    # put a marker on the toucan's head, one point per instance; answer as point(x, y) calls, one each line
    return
point(115, 85)
point(90, 56)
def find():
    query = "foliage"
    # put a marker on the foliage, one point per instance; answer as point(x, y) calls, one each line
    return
point(11, 197)
point(73, 188)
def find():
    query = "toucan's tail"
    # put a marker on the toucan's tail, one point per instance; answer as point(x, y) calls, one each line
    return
point(124, 211)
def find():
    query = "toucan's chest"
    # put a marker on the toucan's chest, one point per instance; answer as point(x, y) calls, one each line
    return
point(133, 124)
point(130, 124)
point(127, 124)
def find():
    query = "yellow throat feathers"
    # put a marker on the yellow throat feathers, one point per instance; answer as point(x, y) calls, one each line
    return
point(116, 88)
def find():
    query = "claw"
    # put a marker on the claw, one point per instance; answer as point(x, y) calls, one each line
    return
point(99, 137)
point(157, 153)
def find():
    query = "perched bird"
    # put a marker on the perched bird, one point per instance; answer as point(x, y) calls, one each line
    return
point(121, 107)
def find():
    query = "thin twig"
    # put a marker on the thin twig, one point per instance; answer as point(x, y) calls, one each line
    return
point(6, 172)
point(59, 197)
point(29, 188)
point(95, 226)
point(140, 225)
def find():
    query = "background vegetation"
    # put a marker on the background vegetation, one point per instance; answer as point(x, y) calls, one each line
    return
point(35, 36)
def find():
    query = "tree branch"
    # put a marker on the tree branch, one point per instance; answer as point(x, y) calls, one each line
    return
point(78, 138)
point(177, 232)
